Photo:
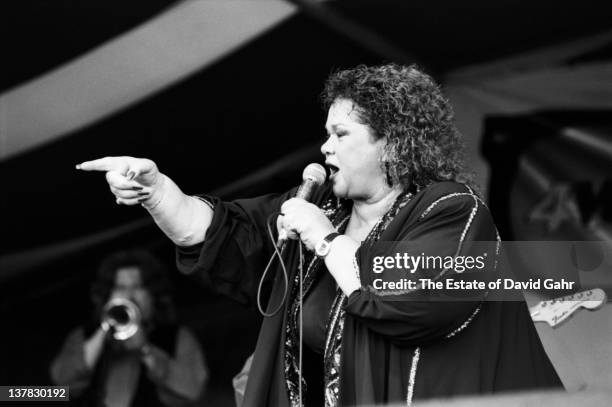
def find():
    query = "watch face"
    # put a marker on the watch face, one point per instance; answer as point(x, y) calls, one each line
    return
point(322, 249)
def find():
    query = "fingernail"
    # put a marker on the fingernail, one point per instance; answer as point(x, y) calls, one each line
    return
point(137, 188)
point(131, 175)
point(78, 166)
point(117, 201)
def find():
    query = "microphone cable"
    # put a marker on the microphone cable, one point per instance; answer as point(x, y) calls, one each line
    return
point(279, 253)
point(301, 323)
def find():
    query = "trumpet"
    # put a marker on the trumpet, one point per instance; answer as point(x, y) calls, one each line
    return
point(122, 316)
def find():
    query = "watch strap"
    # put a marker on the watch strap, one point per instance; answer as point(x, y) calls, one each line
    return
point(322, 248)
point(331, 237)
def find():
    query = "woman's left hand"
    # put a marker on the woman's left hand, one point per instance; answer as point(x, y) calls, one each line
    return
point(305, 221)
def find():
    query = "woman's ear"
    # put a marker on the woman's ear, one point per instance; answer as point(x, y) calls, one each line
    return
point(388, 176)
point(386, 165)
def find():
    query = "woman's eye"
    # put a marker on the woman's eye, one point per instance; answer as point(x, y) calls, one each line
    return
point(338, 134)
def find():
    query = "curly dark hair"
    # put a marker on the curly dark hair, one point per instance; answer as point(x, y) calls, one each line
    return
point(154, 279)
point(407, 108)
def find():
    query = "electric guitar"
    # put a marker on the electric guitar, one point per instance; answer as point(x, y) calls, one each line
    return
point(558, 310)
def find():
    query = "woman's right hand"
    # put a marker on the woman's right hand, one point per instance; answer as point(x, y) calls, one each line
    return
point(131, 180)
point(184, 219)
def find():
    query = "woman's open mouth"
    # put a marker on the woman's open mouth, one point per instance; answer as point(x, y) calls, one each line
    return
point(333, 170)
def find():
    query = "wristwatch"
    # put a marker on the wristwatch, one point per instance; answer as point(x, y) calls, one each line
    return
point(322, 248)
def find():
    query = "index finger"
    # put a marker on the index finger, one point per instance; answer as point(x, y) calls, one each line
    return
point(103, 164)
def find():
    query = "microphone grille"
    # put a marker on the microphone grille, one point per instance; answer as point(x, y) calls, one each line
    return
point(314, 172)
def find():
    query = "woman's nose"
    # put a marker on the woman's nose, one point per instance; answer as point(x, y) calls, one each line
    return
point(326, 147)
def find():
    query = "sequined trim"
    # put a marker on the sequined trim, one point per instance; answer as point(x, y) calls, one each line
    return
point(453, 195)
point(335, 325)
point(291, 348)
point(465, 323)
point(465, 228)
point(497, 249)
point(332, 322)
point(413, 369)
point(332, 356)
point(468, 224)
point(383, 222)
point(356, 268)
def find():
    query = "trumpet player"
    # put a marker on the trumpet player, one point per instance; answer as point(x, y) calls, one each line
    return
point(134, 354)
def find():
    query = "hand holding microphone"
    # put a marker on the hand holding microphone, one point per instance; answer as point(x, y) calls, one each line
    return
point(301, 219)
point(313, 175)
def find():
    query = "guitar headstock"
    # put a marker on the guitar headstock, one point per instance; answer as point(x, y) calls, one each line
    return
point(559, 309)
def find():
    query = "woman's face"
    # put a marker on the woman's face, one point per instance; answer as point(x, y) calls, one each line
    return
point(128, 284)
point(352, 154)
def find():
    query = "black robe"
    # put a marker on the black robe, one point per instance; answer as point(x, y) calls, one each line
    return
point(386, 351)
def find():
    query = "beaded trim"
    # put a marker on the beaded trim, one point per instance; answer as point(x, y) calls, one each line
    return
point(335, 326)
point(445, 197)
point(465, 323)
point(497, 249)
point(413, 369)
point(475, 195)
point(468, 224)
point(334, 318)
point(332, 354)
point(383, 222)
point(291, 348)
point(356, 268)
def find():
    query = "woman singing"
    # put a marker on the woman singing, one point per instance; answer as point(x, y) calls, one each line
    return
point(396, 175)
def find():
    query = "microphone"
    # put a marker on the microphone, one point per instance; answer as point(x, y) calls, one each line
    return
point(313, 175)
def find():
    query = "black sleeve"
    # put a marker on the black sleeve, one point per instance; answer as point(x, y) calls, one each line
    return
point(236, 247)
point(412, 317)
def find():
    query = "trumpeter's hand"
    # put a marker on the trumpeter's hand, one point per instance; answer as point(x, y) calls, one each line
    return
point(136, 341)
point(305, 221)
